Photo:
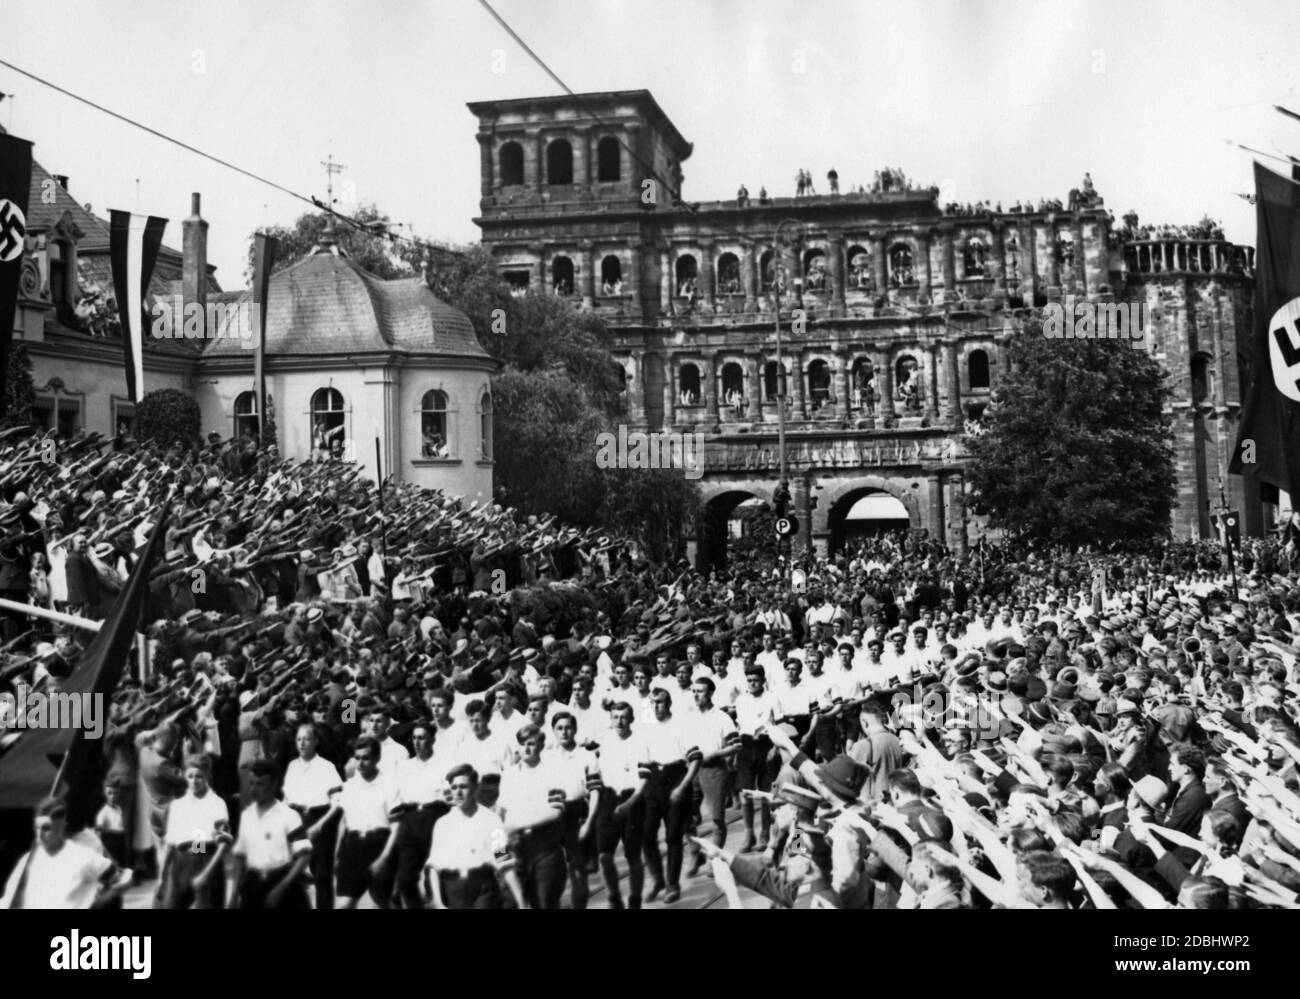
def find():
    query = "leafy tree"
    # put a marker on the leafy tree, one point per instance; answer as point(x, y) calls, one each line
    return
point(19, 390)
point(167, 416)
point(367, 247)
point(1079, 447)
point(656, 506)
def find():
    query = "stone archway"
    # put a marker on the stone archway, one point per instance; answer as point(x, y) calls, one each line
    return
point(718, 505)
point(899, 510)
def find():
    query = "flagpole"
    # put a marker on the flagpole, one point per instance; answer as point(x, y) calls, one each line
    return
point(383, 526)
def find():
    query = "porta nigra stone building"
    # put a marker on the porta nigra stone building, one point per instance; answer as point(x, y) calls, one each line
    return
point(896, 312)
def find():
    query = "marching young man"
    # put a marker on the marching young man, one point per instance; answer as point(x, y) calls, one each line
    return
point(468, 850)
point(272, 849)
point(367, 833)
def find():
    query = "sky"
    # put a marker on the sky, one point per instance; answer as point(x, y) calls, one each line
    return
point(989, 100)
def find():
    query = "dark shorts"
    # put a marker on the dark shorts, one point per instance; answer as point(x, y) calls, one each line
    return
point(713, 780)
point(356, 853)
point(754, 764)
point(611, 831)
point(480, 890)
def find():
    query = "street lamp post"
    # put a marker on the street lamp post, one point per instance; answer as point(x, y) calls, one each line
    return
point(778, 280)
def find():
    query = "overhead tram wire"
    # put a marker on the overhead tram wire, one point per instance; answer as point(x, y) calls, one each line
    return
point(369, 227)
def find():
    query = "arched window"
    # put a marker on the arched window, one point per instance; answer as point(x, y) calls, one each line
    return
point(900, 265)
point(437, 426)
point(1202, 380)
point(608, 167)
point(688, 385)
point(559, 162)
point(729, 274)
point(819, 384)
point(327, 424)
point(687, 270)
point(816, 276)
point(246, 421)
point(907, 384)
point(1065, 254)
point(770, 381)
point(511, 164)
point(611, 276)
point(859, 267)
point(977, 365)
point(973, 259)
point(766, 269)
point(485, 427)
point(562, 276)
point(733, 384)
point(862, 383)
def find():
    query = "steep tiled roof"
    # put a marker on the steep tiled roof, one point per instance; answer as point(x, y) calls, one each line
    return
point(326, 304)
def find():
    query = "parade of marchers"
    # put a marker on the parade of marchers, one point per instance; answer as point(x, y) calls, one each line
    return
point(415, 702)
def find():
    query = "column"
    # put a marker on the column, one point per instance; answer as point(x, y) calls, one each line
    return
point(1001, 353)
point(630, 169)
point(932, 381)
point(957, 512)
point(706, 272)
point(583, 174)
point(670, 390)
point(754, 390)
point(539, 251)
point(998, 264)
point(1053, 257)
point(846, 383)
point(883, 363)
point(796, 370)
point(485, 163)
point(949, 262)
point(636, 397)
point(922, 269)
point(709, 364)
point(837, 273)
point(1080, 274)
point(881, 276)
point(954, 383)
point(935, 488)
point(588, 274)
point(1028, 262)
point(747, 275)
point(536, 145)
point(632, 277)
point(665, 282)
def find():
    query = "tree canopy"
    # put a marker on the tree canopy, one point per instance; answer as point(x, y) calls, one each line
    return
point(1079, 445)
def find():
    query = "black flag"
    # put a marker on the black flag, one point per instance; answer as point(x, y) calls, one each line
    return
point(1270, 419)
point(133, 245)
point(15, 182)
point(64, 760)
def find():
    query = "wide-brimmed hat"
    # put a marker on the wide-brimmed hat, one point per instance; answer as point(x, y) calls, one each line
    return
point(844, 776)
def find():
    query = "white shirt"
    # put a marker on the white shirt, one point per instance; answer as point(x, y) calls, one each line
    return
point(794, 700)
point(712, 730)
point(620, 761)
point(572, 766)
point(270, 840)
point(754, 712)
point(486, 756)
point(366, 804)
point(195, 820)
point(421, 782)
point(463, 842)
point(311, 783)
point(68, 879)
point(665, 741)
point(391, 756)
point(526, 791)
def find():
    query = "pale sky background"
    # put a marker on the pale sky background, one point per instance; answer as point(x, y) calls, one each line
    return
point(1000, 100)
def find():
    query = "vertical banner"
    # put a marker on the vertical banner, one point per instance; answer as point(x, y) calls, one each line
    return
point(1269, 444)
point(15, 182)
point(133, 245)
point(264, 250)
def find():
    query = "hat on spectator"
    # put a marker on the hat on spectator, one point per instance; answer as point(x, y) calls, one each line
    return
point(1151, 790)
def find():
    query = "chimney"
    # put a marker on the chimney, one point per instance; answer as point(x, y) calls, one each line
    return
point(62, 178)
point(194, 251)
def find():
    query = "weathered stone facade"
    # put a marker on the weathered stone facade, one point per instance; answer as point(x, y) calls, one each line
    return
point(894, 326)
